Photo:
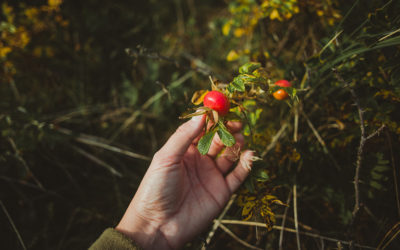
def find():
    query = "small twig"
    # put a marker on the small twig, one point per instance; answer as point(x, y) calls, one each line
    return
point(230, 233)
point(285, 39)
point(95, 141)
point(13, 225)
point(220, 217)
point(364, 138)
point(320, 140)
point(389, 233)
point(68, 227)
point(396, 186)
point(389, 35)
point(284, 220)
point(148, 103)
point(322, 243)
point(274, 140)
point(296, 222)
point(19, 157)
point(291, 230)
point(144, 52)
point(27, 184)
point(301, 225)
point(376, 132)
point(98, 161)
point(296, 122)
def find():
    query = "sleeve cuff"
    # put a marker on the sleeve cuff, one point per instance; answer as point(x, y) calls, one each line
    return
point(112, 239)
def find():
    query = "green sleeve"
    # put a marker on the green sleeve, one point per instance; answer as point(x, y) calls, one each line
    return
point(112, 239)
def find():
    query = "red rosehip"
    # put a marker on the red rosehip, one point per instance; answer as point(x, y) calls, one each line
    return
point(281, 94)
point(217, 101)
point(283, 83)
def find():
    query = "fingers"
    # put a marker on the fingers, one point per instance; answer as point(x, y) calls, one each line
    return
point(230, 155)
point(217, 145)
point(235, 178)
point(178, 143)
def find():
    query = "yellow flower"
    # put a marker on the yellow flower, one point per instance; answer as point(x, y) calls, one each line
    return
point(4, 51)
point(232, 56)
point(31, 13)
point(226, 28)
point(275, 15)
point(7, 9)
point(54, 3)
point(239, 32)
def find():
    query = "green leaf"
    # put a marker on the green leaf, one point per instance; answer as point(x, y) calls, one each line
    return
point(205, 142)
point(249, 67)
point(226, 137)
point(237, 84)
point(375, 185)
point(241, 80)
point(263, 175)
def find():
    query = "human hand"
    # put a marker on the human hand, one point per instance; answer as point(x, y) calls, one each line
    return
point(182, 190)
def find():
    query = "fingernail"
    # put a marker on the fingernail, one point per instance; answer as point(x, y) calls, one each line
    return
point(197, 118)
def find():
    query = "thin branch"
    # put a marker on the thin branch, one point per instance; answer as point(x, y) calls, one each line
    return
point(220, 217)
point(296, 122)
point(363, 139)
point(284, 220)
point(96, 141)
point(284, 40)
point(301, 225)
point(230, 233)
point(376, 132)
point(396, 185)
point(19, 157)
point(27, 184)
point(149, 102)
point(319, 138)
point(296, 222)
point(98, 161)
point(140, 51)
point(291, 230)
point(13, 225)
point(275, 140)
point(391, 233)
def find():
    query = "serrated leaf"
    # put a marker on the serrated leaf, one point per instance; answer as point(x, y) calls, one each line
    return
point(237, 84)
point(375, 185)
point(381, 168)
point(249, 67)
point(205, 142)
point(225, 136)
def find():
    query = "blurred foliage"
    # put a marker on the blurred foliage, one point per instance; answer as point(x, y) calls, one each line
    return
point(91, 89)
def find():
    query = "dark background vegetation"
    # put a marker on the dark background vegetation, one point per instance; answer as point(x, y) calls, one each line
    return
point(90, 90)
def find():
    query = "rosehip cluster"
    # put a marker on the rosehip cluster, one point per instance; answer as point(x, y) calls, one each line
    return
point(281, 94)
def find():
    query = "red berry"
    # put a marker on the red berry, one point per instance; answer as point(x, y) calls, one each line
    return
point(281, 94)
point(283, 83)
point(217, 101)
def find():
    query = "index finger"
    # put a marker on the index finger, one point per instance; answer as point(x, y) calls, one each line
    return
point(179, 142)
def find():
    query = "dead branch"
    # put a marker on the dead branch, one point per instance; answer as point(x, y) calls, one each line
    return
point(363, 139)
point(291, 230)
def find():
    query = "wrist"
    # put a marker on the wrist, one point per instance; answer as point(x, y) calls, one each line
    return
point(143, 232)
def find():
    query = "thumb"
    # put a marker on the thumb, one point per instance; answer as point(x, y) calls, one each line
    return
point(180, 141)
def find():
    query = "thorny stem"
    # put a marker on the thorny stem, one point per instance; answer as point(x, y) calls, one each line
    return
point(364, 138)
